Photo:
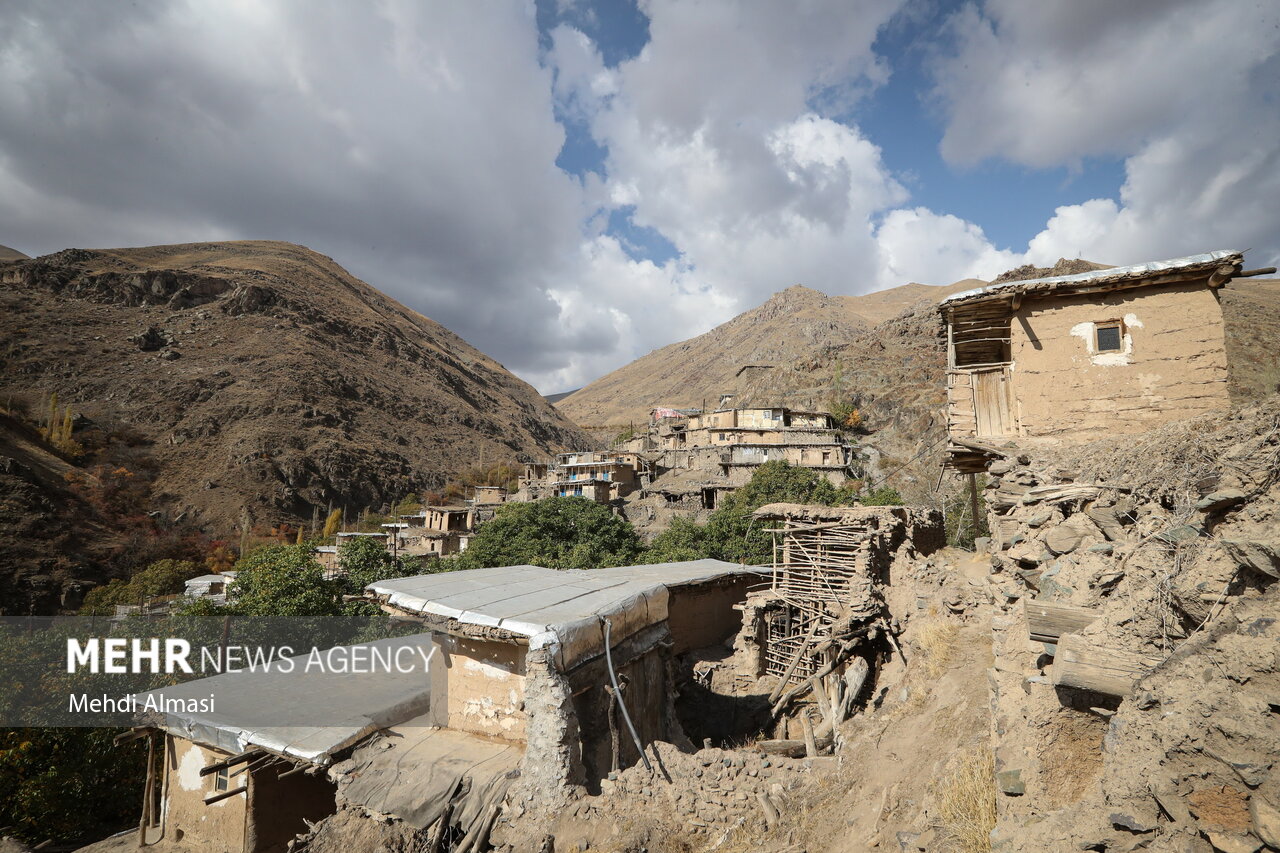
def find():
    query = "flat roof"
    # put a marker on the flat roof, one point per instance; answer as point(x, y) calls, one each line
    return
point(1191, 263)
point(309, 715)
point(552, 607)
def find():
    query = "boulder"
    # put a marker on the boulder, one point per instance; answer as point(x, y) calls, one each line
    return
point(1231, 843)
point(1220, 500)
point(1266, 820)
point(1262, 557)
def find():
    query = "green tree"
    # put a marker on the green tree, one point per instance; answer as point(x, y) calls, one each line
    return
point(559, 533)
point(163, 577)
point(731, 533)
point(365, 560)
point(73, 785)
point(283, 581)
point(881, 496)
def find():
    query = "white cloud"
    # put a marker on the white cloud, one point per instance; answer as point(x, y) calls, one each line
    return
point(919, 245)
point(1185, 91)
point(417, 142)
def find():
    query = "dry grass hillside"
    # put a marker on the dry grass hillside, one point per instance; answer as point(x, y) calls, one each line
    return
point(7, 254)
point(768, 353)
point(262, 377)
point(883, 350)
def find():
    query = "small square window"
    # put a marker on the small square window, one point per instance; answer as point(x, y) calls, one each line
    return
point(222, 780)
point(1110, 337)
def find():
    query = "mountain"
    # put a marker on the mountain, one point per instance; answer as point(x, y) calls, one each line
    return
point(258, 381)
point(7, 254)
point(768, 354)
point(885, 352)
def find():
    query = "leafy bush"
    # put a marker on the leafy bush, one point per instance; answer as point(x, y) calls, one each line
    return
point(163, 577)
point(559, 533)
point(731, 533)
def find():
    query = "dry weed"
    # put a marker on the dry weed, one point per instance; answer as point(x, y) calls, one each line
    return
point(937, 642)
point(967, 801)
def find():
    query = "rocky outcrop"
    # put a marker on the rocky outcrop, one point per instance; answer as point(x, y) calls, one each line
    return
point(1163, 551)
point(263, 378)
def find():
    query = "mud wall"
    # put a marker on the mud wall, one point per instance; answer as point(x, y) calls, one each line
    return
point(1172, 364)
point(479, 687)
point(704, 615)
point(279, 808)
point(220, 826)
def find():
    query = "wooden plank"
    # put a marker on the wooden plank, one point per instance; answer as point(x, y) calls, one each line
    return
point(1082, 664)
point(1049, 620)
point(228, 762)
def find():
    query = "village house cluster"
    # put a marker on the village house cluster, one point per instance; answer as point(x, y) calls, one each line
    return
point(686, 460)
point(541, 680)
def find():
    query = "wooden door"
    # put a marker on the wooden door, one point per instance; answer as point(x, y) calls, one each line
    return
point(991, 402)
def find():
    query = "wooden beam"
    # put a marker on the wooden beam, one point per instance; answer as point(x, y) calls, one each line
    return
point(1252, 273)
point(217, 798)
point(1049, 620)
point(228, 762)
point(1221, 275)
point(1083, 664)
point(979, 446)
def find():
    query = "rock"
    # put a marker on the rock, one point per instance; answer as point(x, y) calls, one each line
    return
point(1181, 533)
point(1266, 820)
point(1102, 548)
point(1039, 519)
point(1000, 467)
point(170, 355)
point(1064, 539)
point(982, 544)
point(1133, 822)
point(1220, 500)
point(1229, 843)
point(1108, 521)
point(1262, 557)
point(1010, 782)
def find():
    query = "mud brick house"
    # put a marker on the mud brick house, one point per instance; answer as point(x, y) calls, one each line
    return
point(434, 531)
point(1073, 357)
point(601, 476)
point(530, 656)
point(247, 776)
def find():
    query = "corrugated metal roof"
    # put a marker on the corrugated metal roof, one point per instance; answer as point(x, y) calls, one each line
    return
point(1132, 271)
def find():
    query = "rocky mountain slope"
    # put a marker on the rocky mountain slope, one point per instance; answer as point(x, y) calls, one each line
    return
point(884, 351)
point(264, 379)
point(768, 353)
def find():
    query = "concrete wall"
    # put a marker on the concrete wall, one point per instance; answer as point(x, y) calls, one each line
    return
point(220, 826)
point(479, 687)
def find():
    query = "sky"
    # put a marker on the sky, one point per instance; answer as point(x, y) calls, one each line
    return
point(569, 185)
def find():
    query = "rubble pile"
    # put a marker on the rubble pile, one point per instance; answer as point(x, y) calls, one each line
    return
point(1153, 720)
point(703, 796)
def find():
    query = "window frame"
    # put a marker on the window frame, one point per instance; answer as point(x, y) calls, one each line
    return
point(1118, 325)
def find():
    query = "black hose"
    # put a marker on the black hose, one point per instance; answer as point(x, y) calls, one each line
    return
point(617, 691)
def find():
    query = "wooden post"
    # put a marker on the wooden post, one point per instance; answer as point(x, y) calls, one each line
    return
point(147, 788)
point(1083, 665)
point(1049, 620)
point(973, 501)
point(810, 744)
